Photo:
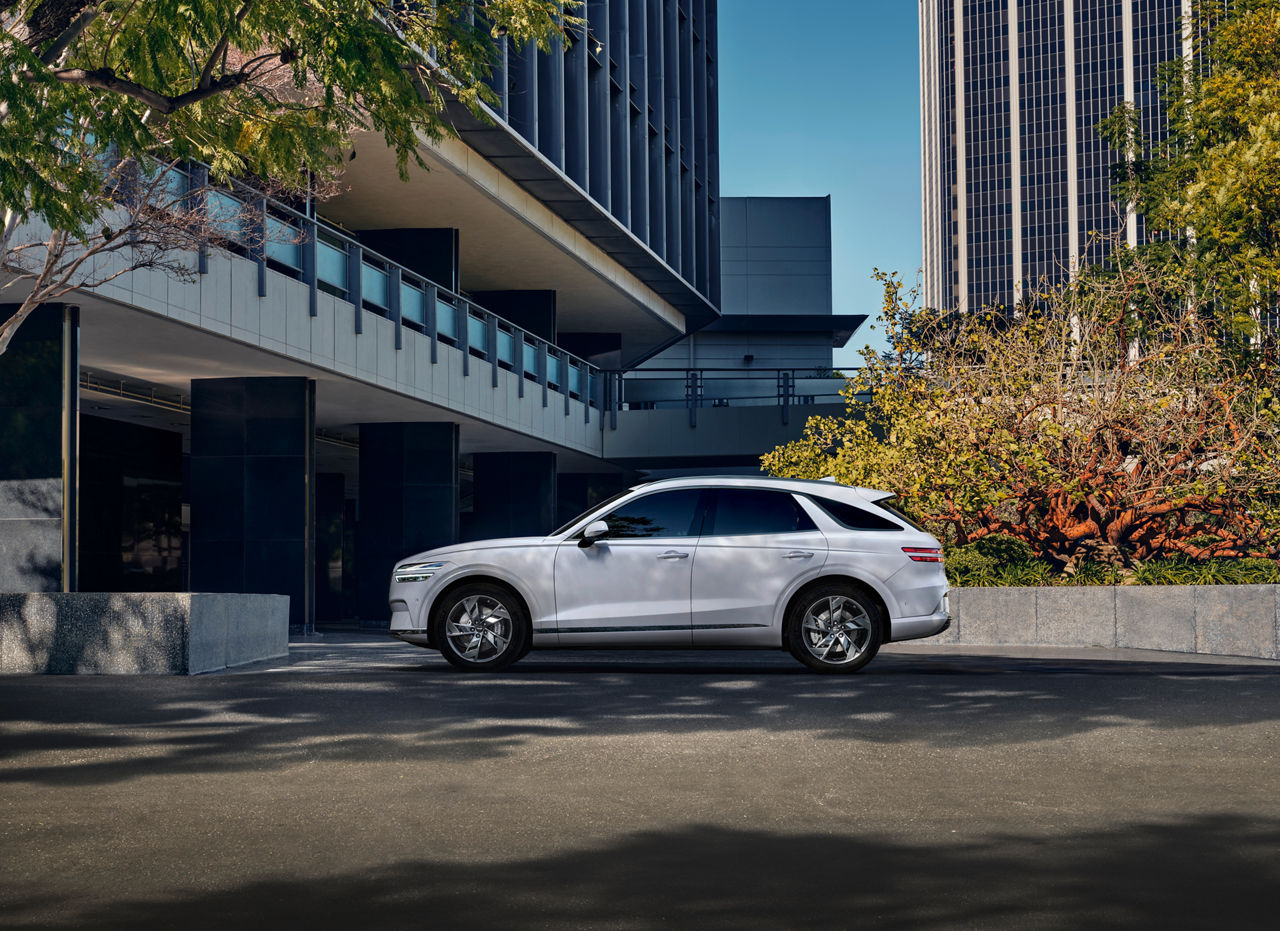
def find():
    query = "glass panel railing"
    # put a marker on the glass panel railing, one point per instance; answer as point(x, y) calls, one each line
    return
point(592, 381)
point(373, 284)
point(175, 184)
point(506, 347)
point(331, 264)
point(237, 219)
point(477, 333)
point(446, 320)
point(225, 214)
point(283, 243)
point(413, 304)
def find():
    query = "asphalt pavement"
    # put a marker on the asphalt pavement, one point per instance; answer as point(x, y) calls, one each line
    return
point(365, 783)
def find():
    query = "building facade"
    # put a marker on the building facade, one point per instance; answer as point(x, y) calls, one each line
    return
point(629, 114)
point(712, 402)
point(1016, 189)
point(409, 364)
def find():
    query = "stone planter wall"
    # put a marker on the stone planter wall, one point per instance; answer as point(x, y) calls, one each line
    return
point(1226, 620)
point(166, 633)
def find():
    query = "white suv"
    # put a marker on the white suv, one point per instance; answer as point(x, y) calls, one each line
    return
point(826, 571)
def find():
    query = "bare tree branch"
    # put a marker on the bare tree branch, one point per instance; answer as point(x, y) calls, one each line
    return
point(219, 51)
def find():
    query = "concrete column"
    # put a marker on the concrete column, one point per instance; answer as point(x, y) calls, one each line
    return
point(39, 398)
point(408, 503)
point(515, 495)
point(252, 487)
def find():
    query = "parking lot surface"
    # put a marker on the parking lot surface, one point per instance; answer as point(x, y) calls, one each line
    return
point(365, 783)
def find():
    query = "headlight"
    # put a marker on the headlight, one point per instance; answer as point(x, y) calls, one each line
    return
point(416, 571)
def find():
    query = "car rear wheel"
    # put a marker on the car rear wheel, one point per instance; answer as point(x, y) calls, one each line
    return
point(482, 628)
point(834, 628)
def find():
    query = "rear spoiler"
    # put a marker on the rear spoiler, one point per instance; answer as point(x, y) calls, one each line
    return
point(871, 494)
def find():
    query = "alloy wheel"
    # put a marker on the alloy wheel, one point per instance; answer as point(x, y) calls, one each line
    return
point(479, 628)
point(836, 630)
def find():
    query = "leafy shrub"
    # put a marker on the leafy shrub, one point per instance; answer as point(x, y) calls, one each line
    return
point(1207, 572)
point(1004, 561)
point(996, 560)
point(1093, 573)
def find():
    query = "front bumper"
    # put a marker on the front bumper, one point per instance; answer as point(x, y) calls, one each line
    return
point(419, 638)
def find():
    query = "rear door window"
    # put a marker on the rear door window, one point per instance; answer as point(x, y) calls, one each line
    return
point(740, 511)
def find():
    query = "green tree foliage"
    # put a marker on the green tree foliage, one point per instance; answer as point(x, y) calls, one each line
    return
point(1214, 182)
point(1087, 429)
point(254, 88)
point(1132, 414)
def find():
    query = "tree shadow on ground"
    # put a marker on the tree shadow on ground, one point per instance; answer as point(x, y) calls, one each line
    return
point(1207, 872)
point(92, 730)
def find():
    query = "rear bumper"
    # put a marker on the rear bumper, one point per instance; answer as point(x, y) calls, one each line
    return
point(915, 628)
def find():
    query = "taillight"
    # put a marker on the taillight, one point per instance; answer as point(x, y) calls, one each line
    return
point(923, 553)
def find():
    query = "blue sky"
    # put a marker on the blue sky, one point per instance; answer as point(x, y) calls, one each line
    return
point(828, 102)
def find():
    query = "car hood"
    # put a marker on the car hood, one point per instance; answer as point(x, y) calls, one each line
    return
point(451, 553)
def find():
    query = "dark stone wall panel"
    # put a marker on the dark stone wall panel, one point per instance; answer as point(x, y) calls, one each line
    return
point(252, 518)
point(515, 495)
point(31, 475)
point(408, 503)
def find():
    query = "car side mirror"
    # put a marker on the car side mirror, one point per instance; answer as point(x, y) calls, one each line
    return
point(595, 531)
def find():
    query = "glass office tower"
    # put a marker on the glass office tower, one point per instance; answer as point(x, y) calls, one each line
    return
point(1015, 180)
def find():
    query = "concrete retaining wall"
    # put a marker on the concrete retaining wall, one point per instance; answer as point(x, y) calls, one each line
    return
point(166, 633)
point(1227, 620)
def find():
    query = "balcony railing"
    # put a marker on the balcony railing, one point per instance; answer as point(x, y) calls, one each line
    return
point(282, 239)
point(696, 389)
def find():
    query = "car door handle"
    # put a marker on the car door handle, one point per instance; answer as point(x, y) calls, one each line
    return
point(672, 554)
point(797, 554)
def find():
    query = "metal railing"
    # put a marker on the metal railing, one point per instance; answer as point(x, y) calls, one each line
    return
point(695, 389)
point(277, 237)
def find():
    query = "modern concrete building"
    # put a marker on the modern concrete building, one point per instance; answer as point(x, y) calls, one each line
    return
point(708, 403)
point(1015, 179)
point(418, 363)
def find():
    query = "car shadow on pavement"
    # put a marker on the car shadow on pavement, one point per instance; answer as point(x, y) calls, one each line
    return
point(1212, 871)
point(95, 730)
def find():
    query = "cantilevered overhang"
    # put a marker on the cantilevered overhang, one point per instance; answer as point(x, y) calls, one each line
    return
point(538, 175)
point(510, 240)
point(840, 326)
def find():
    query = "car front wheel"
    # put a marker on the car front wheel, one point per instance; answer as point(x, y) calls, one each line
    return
point(482, 628)
point(834, 628)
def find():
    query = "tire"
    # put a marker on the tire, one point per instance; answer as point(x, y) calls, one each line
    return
point(481, 627)
point(834, 628)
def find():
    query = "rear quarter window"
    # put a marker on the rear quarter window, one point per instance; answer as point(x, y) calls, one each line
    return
point(852, 517)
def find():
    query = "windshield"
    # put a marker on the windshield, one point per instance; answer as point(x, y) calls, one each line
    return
point(595, 507)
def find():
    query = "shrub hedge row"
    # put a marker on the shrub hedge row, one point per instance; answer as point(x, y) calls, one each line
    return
point(1000, 561)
